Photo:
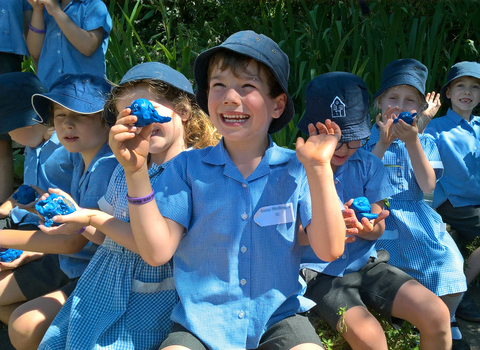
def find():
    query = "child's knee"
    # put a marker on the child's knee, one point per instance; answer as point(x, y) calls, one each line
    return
point(359, 326)
point(23, 328)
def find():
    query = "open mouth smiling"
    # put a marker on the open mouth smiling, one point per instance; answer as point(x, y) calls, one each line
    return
point(235, 118)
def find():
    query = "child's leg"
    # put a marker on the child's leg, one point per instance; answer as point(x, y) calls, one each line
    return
point(419, 306)
point(473, 266)
point(10, 295)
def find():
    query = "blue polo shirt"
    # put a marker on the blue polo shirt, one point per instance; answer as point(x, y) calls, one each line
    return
point(236, 268)
point(59, 56)
point(49, 165)
point(87, 187)
point(11, 26)
point(362, 175)
point(458, 143)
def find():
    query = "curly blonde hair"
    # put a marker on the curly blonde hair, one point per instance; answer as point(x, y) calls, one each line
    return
point(199, 130)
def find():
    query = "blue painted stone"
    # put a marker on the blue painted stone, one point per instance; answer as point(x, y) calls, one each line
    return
point(145, 113)
point(406, 117)
point(7, 255)
point(362, 209)
point(25, 194)
point(54, 205)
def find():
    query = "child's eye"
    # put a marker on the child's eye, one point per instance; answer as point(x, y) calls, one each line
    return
point(248, 86)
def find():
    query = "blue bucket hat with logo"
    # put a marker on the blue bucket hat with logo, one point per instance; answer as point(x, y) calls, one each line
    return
point(460, 69)
point(80, 93)
point(406, 71)
point(262, 49)
point(341, 97)
point(16, 91)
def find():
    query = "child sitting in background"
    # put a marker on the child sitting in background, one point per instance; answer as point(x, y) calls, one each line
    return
point(457, 195)
point(74, 106)
point(68, 36)
point(131, 300)
point(361, 277)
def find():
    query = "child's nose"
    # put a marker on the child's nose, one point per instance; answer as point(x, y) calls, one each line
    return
point(231, 96)
point(69, 123)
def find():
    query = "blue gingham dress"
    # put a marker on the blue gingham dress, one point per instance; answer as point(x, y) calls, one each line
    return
point(120, 301)
point(415, 235)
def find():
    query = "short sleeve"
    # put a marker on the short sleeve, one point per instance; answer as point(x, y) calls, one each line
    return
point(431, 152)
point(108, 201)
point(97, 16)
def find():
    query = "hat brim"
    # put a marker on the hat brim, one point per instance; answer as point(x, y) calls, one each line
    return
point(443, 92)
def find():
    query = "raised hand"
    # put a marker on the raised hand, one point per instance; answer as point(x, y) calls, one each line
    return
point(385, 124)
point(36, 5)
point(52, 6)
point(434, 104)
point(320, 146)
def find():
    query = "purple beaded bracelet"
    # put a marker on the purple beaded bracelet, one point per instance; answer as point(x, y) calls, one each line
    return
point(141, 200)
point(35, 30)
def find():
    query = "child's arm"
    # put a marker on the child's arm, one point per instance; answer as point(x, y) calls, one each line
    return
point(422, 168)
point(35, 40)
point(7, 207)
point(326, 231)
point(366, 229)
point(385, 123)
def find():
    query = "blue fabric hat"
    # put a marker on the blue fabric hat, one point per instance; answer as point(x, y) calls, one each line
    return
point(460, 69)
point(262, 49)
point(81, 93)
point(341, 97)
point(405, 71)
point(16, 91)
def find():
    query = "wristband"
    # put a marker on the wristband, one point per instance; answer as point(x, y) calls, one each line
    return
point(141, 200)
point(35, 30)
point(81, 230)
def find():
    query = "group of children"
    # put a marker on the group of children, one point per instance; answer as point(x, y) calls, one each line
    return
point(181, 239)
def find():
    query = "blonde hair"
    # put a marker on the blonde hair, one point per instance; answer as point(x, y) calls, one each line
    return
point(375, 109)
point(199, 131)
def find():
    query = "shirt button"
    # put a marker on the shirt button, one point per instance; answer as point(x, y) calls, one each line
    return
point(58, 34)
point(244, 216)
point(3, 10)
point(243, 249)
point(241, 314)
point(400, 186)
point(58, 51)
point(336, 182)
point(398, 160)
point(344, 256)
point(244, 185)
point(243, 281)
point(59, 71)
point(399, 174)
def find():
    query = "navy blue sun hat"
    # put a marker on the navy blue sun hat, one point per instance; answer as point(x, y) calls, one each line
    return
point(341, 97)
point(16, 91)
point(262, 49)
point(81, 93)
point(460, 69)
point(406, 71)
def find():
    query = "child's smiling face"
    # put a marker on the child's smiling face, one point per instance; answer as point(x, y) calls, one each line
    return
point(464, 93)
point(405, 97)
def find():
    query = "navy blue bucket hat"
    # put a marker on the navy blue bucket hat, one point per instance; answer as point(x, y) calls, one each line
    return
point(16, 91)
point(262, 49)
point(405, 71)
point(460, 69)
point(341, 97)
point(81, 93)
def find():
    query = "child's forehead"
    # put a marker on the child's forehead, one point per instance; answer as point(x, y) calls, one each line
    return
point(247, 69)
point(466, 78)
point(403, 89)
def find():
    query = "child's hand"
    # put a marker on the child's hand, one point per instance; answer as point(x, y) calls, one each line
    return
point(24, 258)
point(385, 123)
point(36, 5)
point(130, 148)
point(320, 146)
point(364, 227)
point(434, 104)
point(405, 132)
point(52, 6)
point(31, 206)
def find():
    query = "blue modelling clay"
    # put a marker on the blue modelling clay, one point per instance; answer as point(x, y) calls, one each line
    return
point(406, 117)
point(146, 114)
point(54, 205)
point(25, 194)
point(7, 255)
point(362, 208)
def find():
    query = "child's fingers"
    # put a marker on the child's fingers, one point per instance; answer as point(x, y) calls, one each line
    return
point(127, 119)
point(300, 142)
point(350, 238)
point(381, 216)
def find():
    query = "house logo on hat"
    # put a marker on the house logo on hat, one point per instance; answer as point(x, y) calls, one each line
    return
point(337, 108)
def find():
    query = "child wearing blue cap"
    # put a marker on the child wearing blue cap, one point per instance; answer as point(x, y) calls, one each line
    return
point(68, 36)
point(457, 195)
point(361, 277)
point(74, 105)
point(229, 214)
point(415, 235)
point(129, 300)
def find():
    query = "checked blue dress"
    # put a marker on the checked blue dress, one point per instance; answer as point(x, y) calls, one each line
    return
point(415, 235)
point(120, 301)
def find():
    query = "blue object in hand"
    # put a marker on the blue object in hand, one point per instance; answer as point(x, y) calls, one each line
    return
point(54, 205)
point(25, 194)
point(362, 209)
point(406, 117)
point(146, 114)
point(7, 255)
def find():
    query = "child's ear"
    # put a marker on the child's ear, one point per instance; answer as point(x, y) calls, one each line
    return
point(280, 103)
point(447, 92)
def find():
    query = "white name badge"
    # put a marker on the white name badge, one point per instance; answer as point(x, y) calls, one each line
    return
point(274, 215)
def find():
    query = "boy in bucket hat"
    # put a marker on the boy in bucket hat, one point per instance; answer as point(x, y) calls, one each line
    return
point(232, 213)
point(457, 194)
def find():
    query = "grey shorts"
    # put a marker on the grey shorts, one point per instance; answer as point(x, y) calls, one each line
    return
point(286, 334)
point(375, 286)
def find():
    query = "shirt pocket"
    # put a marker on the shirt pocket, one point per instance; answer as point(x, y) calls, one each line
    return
point(150, 305)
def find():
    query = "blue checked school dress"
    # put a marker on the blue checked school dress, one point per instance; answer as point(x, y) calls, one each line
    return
point(120, 301)
point(415, 235)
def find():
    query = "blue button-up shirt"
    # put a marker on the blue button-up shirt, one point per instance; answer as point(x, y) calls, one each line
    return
point(458, 142)
point(11, 26)
point(234, 277)
point(59, 56)
point(362, 175)
point(86, 189)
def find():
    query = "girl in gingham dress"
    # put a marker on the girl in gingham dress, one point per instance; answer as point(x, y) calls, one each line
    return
point(121, 302)
point(415, 235)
